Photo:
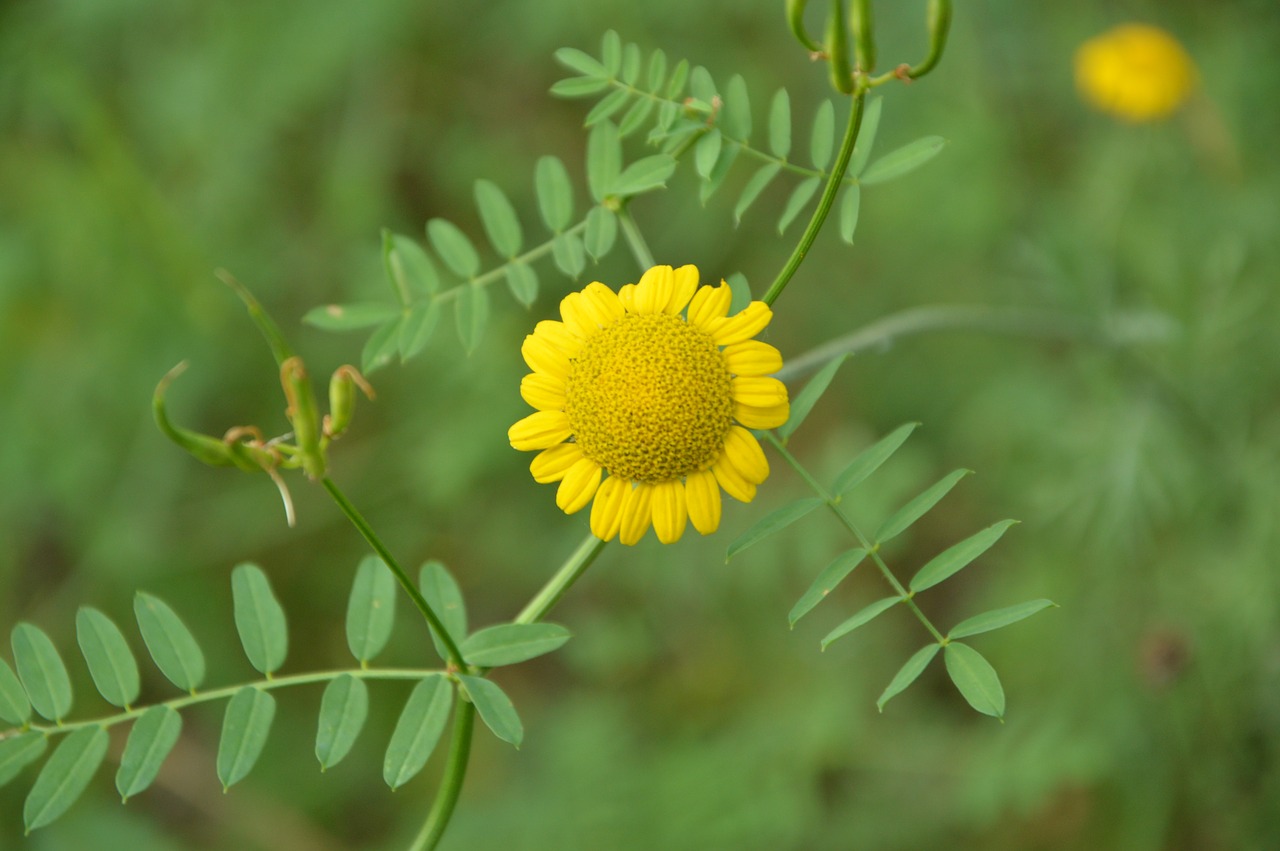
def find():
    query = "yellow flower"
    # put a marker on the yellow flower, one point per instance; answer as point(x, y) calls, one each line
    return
point(644, 407)
point(1134, 71)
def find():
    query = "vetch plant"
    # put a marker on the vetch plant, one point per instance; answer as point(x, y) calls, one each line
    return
point(650, 398)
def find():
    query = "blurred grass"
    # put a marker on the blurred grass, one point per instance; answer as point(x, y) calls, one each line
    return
point(145, 144)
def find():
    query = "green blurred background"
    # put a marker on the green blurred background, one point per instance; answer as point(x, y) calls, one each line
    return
point(143, 144)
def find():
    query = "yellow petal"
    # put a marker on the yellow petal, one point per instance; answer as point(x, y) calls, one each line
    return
point(759, 392)
point(578, 486)
point(732, 482)
point(637, 511)
point(654, 290)
point(753, 417)
point(752, 357)
point(710, 305)
point(542, 391)
point(540, 431)
point(702, 495)
point(669, 512)
point(748, 322)
point(544, 357)
point(550, 465)
point(558, 335)
point(627, 298)
point(744, 453)
point(606, 511)
point(576, 317)
point(683, 283)
point(602, 304)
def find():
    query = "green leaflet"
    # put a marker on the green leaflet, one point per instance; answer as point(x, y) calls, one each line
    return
point(975, 678)
point(371, 610)
point(15, 708)
point(998, 618)
point(170, 643)
point(918, 507)
point(800, 197)
point(555, 193)
point(351, 317)
point(863, 616)
point(495, 708)
point(822, 142)
point(418, 730)
point(471, 314)
point(259, 619)
point(780, 124)
point(511, 643)
point(17, 752)
point(809, 396)
point(826, 582)
point(245, 728)
point(111, 662)
point(957, 557)
point(343, 710)
point(604, 159)
point(499, 219)
point(908, 673)
point(773, 522)
point(906, 159)
point(65, 776)
point(152, 738)
point(442, 593)
point(870, 459)
point(41, 671)
point(454, 248)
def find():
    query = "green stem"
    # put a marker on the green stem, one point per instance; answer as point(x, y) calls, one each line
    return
point(563, 579)
point(464, 718)
point(496, 273)
point(464, 722)
point(1014, 321)
point(635, 239)
point(362, 525)
point(872, 549)
point(828, 195)
point(228, 691)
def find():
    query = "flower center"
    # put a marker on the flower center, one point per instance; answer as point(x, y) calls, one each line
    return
point(649, 398)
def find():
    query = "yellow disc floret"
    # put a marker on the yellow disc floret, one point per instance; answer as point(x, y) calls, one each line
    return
point(650, 398)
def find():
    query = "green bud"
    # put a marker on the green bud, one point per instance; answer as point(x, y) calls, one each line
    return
point(838, 49)
point(342, 399)
point(795, 20)
point(304, 416)
point(210, 450)
point(863, 41)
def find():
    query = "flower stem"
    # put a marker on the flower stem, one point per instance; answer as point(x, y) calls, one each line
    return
point(828, 195)
point(559, 584)
point(464, 717)
point(362, 525)
point(635, 239)
point(464, 722)
point(872, 549)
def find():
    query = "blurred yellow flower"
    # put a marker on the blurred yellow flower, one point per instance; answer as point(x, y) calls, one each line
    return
point(660, 398)
point(1136, 72)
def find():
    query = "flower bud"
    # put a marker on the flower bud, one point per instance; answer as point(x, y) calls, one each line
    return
point(302, 413)
point(209, 450)
point(795, 20)
point(342, 399)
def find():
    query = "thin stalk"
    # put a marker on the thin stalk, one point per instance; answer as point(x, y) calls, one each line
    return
point(362, 525)
point(559, 584)
point(635, 239)
point(872, 549)
point(828, 198)
point(1014, 321)
point(464, 722)
point(228, 691)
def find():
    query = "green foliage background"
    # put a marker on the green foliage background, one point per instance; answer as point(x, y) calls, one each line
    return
point(146, 143)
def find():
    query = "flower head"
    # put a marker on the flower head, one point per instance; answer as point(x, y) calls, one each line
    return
point(1136, 72)
point(643, 406)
